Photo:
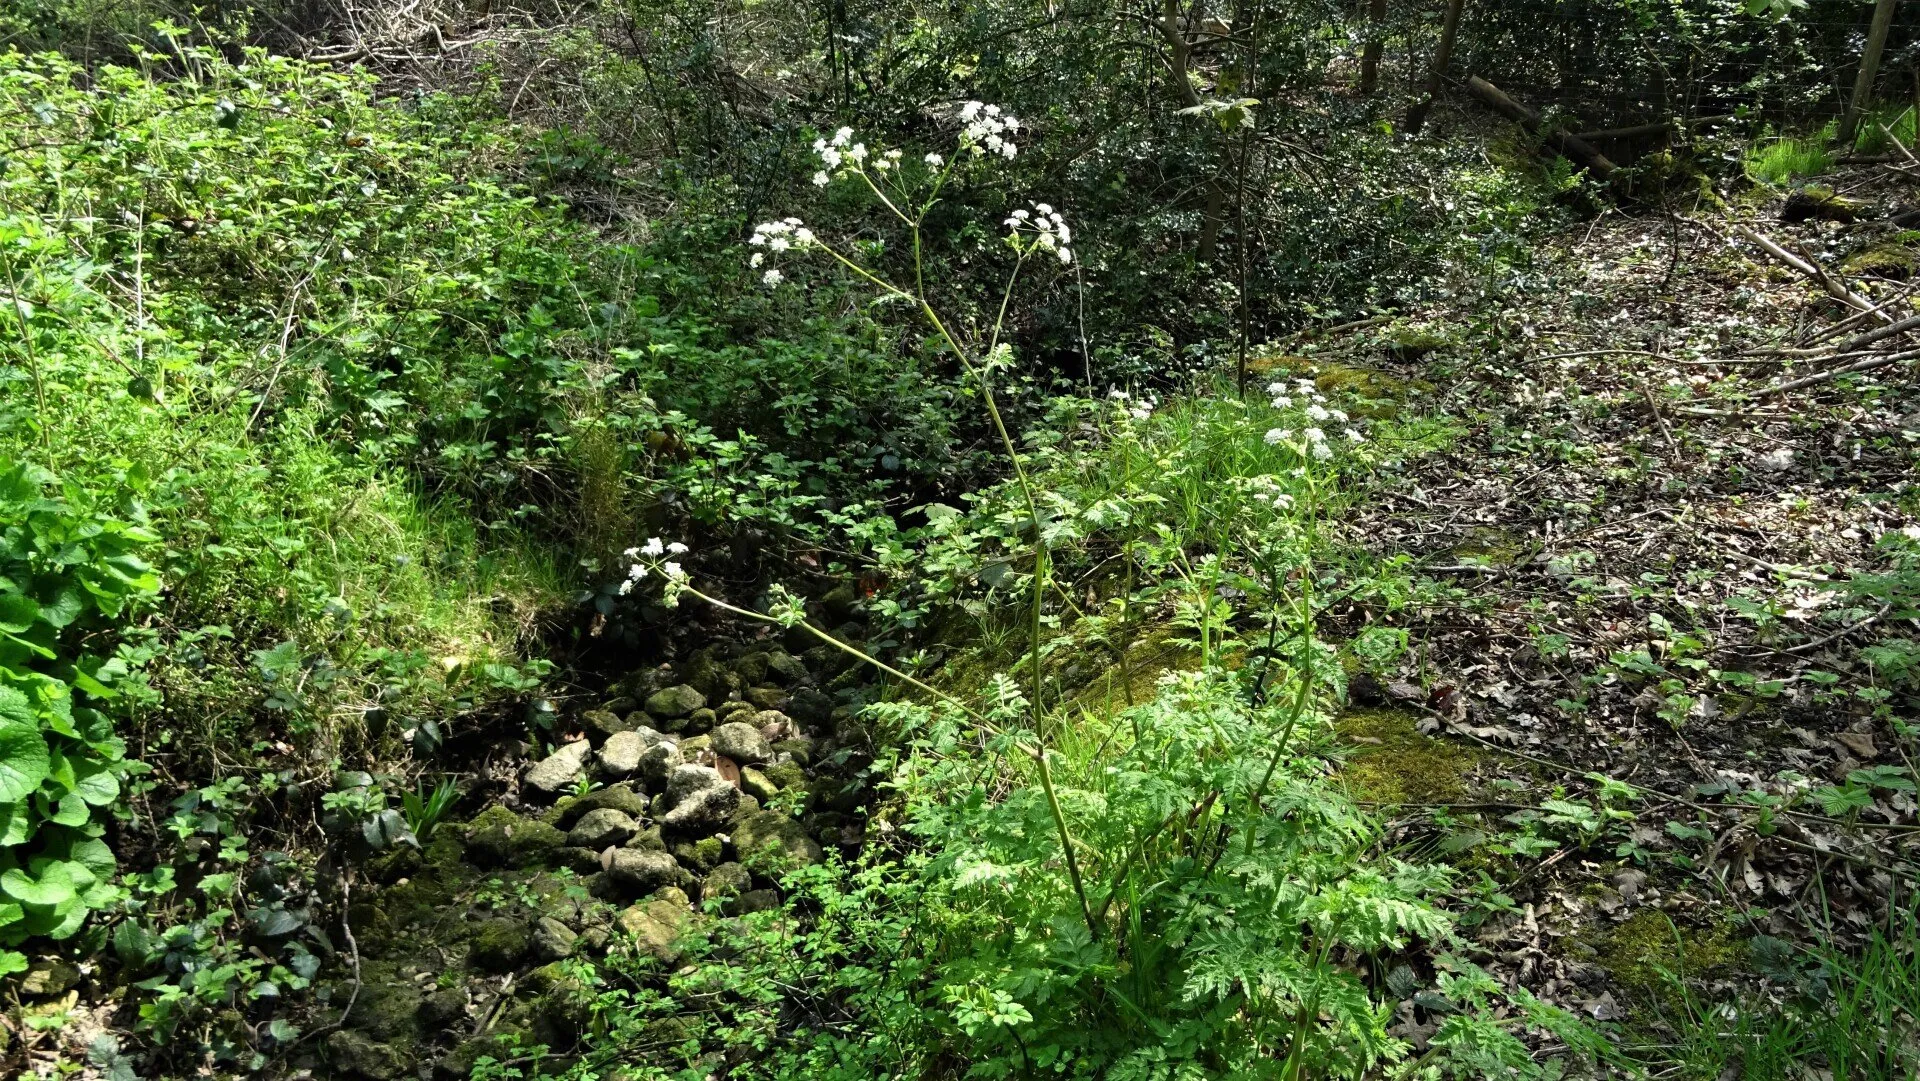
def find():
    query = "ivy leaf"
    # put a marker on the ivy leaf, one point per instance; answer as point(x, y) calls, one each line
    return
point(24, 760)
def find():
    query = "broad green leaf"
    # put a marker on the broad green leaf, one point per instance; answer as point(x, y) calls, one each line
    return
point(24, 761)
point(96, 784)
point(66, 607)
point(71, 811)
point(53, 887)
point(16, 824)
point(17, 612)
point(12, 962)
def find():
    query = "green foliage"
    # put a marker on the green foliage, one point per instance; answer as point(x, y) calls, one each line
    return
point(71, 567)
point(1779, 161)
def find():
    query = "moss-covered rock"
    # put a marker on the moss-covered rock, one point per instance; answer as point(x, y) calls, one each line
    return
point(623, 797)
point(675, 702)
point(499, 946)
point(1394, 763)
point(353, 1054)
point(772, 841)
point(700, 856)
point(655, 928)
point(388, 1006)
point(499, 838)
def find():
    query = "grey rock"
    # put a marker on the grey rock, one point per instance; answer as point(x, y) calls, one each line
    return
point(442, 1008)
point(685, 781)
point(767, 697)
point(641, 873)
point(49, 977)
point(676, 701)
point(354, 1055)
point(751, 668)
point(552, 940)
point(785, 668)
point(700, 856)
point(620, 797)
point(741, 742)
point(620, 754)
point(704, 811)
point(657, 764)
point(598, 829)
point(810, 707)
point(648, 840)
point(726, 880)
point(560, 769)
point(756, 784)
point(757, 901)
point(603, 724)
point(774, 840)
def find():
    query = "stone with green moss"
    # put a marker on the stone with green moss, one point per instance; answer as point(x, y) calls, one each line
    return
point(700, 856)
point(782, 776)
point(499, 838)
point(353, 1054)
point(675, 702)
point(757, 784)
point(1393, 763)
point(499, 946)
point(774, 841)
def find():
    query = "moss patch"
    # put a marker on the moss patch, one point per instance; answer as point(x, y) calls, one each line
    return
point(1634, 953)
point(1392, 762)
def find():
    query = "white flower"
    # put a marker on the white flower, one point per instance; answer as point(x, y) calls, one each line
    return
point(1314, 435)
point(793, 222)
point(821, 179)
point(1354, 435)
point(804, 237)
point(1276, 388)
point(892, 155)
point(1118, 395)
point(1338, 414)
point(636, 572)
point(1043, 208)
point(676, 548)
point(1021, 215)
point(1065, 254)
point(673, 571)
point(757, 238)
point(970, 110)
point(1911, 532)
point(831, 158)
point(1322, 451)
point(1314, 411)
point(935, 160)
point(1281, 401)
point(758, 258)
point(773, 278)
point(1276, 436)
point(1007, 150)
point(626, 587)
point(1282, 500)
point(858, 152)
point(781, 243)
point(840, 137)
point(653, 547)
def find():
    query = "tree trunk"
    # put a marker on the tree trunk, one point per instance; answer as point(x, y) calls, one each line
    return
point(1869, 68)
point(1442, 56)
point(1376, 43)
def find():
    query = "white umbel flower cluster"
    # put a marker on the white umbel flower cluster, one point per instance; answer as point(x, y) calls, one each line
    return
point(988, 130)
point(1040, 229)
point(773, 238)
point(648, 558)
point(1314, 439)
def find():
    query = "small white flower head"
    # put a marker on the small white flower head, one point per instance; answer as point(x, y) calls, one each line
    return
point(1314, 435)
point(1314, 411)
point(631, 552)
point(1305, 385)
point(1276, 388)
point(970, 110)
point(841, 137)
point(626, 587)
point(636, 572)
point(1282, 501)
point(1040, 229)
point(1322, 452)
point(757, 258)
point(1353, 435)
point(654, 547)
point(1277, 436)
point(1042, 208)
point(1338, 414)
point(773, 277)
point(803, 237)
point(1282, 401)
point(986, 130)
point(935, 160)
point(781, 243)
point(857, 152)
point(1065, 254)
point(1118, 395)
point(821, 179)
point(673, 571)
point(892, 155)
point(676, 548)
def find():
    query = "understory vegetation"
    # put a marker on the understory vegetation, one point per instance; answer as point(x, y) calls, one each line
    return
point(690, 541)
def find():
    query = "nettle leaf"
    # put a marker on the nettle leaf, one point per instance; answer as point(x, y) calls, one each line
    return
point(24, 761)
point(17, 613)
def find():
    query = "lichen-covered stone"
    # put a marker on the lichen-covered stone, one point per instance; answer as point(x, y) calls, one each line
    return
point(786, 669)
point(810, 707)
point(353, 1054)
point(602, 827)
point(499, 838)
point(784, 775)
point(799, 748)
point(751, 668)
point(675, 702)
point(767, 697)
point(757, 901)
point(699, 722)
point(726, 880)
point(552, 940)
point(655, 928)
point(49, 977)
point(741, 742)
point(658, 763)
point(560, 769)
point(639, 872)
point(620, 755)
point(499, 946)
point(700, 856)
point(647, 840)
point(726, 710)
point(774, 841)
point(691, 747)
point(603, 724)
point(622, 797)
point(698, 800)
point(756, 784)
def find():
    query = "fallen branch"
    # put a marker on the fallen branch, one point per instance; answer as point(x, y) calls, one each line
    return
point(1639, 131)
point(1834, 287)
point(1835, 373)
point(1571, 147)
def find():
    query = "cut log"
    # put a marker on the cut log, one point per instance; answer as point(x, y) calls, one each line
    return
point(1571, 147)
